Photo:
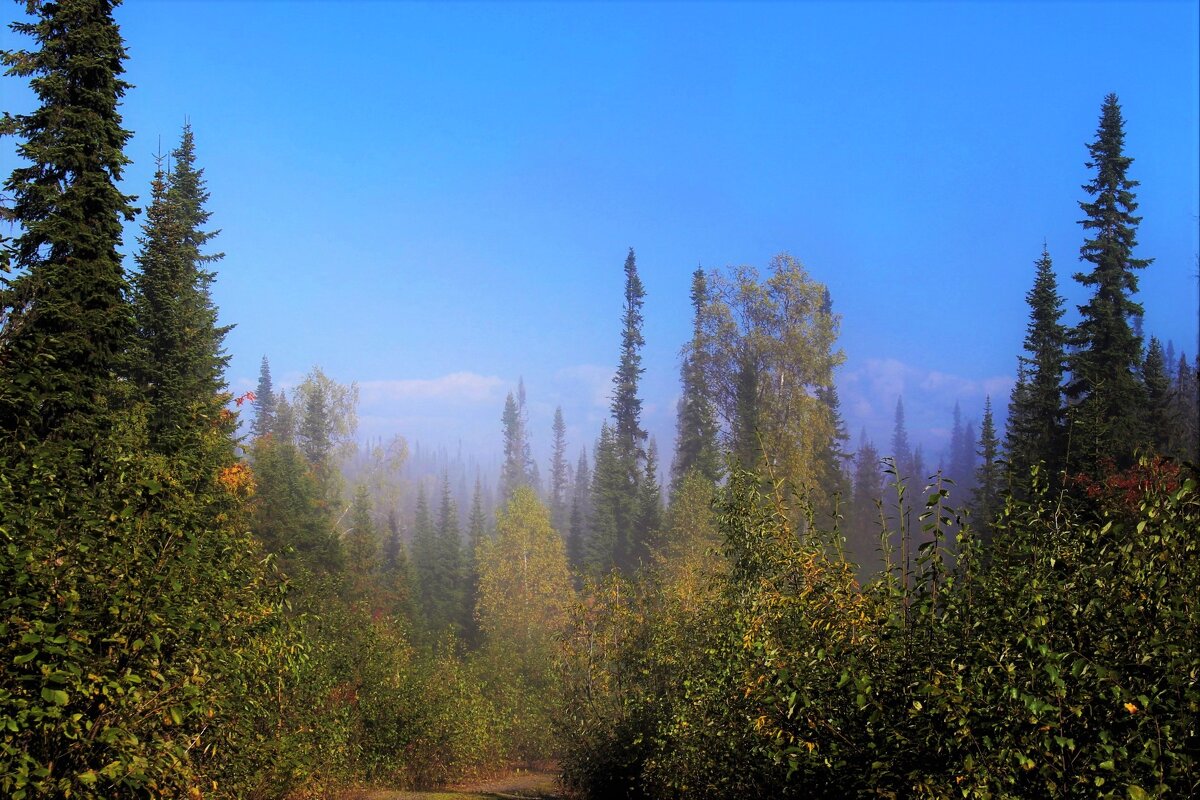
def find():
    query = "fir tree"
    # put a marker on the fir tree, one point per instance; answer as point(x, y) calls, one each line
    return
point(65, 326)
point(264, 402)
point(1035, 433)
point(696, 426)
point(1106, 419)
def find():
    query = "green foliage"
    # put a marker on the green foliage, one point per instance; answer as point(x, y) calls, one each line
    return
point(180, 361)
point(1035, 432)
point(1065, 666)
point(1106, 418)
point(65, 323)
point(770, 359)
point(129, 643)
point(696, 425)
point(524, 593)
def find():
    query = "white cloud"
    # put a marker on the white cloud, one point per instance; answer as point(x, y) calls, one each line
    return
point(869, 392)
point(467, 388)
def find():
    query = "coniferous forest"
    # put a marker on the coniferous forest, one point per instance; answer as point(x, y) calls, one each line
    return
point(210, 595)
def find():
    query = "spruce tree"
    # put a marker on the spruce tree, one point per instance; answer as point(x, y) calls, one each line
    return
point(1106, 418)
point(1157, 411)
point(65, 326)
point(628, 435)
point(424, 561)
point(986, 501)
point(450, 566)
point(514, 472)
point(618, 536)
point(863, 530)
point(559, 508)
point(1185, 411)
point(580, 513)
point(1035, 433)
point(696, 426)
point(264, 402)
point(181, 360)
point(901, 450)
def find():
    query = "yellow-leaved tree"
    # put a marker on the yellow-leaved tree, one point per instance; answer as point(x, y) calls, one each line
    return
point(524, 593)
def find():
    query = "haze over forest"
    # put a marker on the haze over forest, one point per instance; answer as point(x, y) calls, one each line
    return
point(436, 201)
point(721, 401)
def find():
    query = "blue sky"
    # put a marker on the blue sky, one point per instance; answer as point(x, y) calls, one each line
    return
point(433, 200)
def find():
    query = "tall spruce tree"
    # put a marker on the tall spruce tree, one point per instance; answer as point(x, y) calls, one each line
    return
point(901, 449)
point(1157, 411)
point(264, 402)
point(986, 501)
point(1034, 432)
point(1185, 412)
point(65, 326)
point(580, 513)
point(1105, 419)
point(559, 474)
point(696, 426)
point(181, 360)
point(618, 536)
point(863, 529)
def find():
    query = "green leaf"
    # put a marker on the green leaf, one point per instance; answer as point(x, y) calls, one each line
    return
point(1136, 792)
point(56, 696)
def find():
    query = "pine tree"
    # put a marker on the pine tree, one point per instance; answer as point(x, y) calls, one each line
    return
point(65, 326)
point(1035, 433)
point(986, 501)
point(1106, 419)
point(264, 402)
point(696, 426)
point(559, 509)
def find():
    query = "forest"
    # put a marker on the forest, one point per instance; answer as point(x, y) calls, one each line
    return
point(210, 595)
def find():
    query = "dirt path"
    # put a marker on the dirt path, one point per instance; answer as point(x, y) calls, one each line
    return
point(518, 785)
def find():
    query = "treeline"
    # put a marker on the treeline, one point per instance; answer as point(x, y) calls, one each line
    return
point(187, 613)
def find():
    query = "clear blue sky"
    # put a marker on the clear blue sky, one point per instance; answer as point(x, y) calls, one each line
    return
point(433, 200)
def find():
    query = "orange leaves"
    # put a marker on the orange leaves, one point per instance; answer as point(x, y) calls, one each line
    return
point(238, 480)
